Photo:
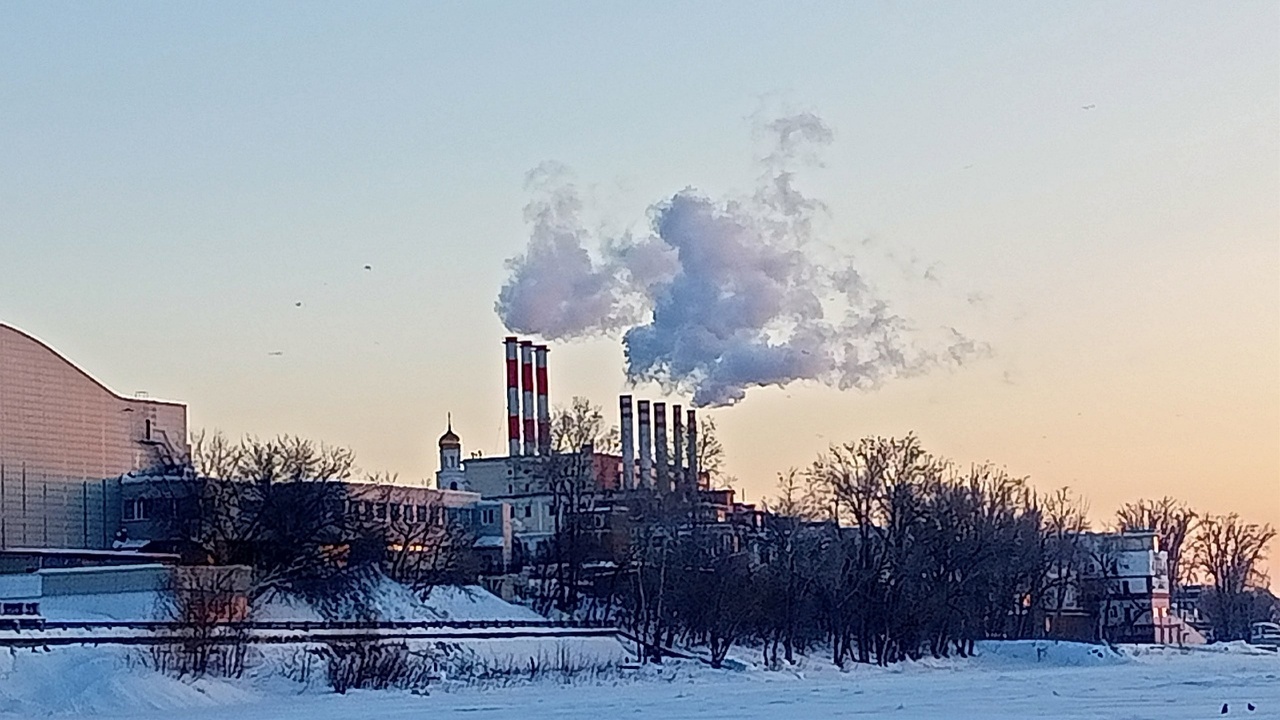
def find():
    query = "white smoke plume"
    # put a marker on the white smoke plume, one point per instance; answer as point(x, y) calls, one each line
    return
point(721, 295)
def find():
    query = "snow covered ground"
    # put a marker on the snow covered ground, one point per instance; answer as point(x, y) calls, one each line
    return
point(1008, 680)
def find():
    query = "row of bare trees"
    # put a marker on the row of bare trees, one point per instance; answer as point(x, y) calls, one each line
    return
point(880, 551)
point(1223, 552)
point(300, 515)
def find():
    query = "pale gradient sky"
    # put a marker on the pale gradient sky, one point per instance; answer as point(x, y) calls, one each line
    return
point(174, 177)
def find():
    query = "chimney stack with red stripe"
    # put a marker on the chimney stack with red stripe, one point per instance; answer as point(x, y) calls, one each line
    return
point(513, 397)
point(544, 406)
point(527, 407)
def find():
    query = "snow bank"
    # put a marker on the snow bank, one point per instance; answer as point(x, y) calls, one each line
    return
point(380, 598)
point(99, 680)
point(1238, 647)
point(472, 602)
point(1046, 653)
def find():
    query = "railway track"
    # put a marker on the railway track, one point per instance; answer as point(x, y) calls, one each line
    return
point(55, 633)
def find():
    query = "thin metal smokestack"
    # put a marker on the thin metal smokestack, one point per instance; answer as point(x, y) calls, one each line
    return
point(544, 400)
point(526, 405)
point(692, 450)
point(677, 438)
point(646, 445)
point(628, 443)
point(513, 397)
point(661, 462)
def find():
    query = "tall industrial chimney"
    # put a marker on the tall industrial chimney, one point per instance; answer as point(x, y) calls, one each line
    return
point(628, 443)
point(513, 397)
point(677, 442)
point(660, 459)
point(693, 450)
point(544, 402)
point(646, 446)
point(527, 407)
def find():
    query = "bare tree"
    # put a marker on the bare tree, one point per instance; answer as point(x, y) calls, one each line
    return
point(278, 506)
point(1065, 520)
point(570, 479)
point(790, 514)
point(1230, 553)
point(582, 423)
point(1172, 521)
point(710, 451)
point(421, 545)
point(203, 599)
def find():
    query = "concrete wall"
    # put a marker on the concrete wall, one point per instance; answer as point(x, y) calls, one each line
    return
point(63, 436)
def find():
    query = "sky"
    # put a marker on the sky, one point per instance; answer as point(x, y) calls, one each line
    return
point(1092, 189)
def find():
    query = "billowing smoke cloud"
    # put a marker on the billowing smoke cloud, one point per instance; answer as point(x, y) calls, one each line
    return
point(722, 295)
point(557, 290)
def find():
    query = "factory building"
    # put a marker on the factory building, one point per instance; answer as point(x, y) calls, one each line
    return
point(537, 479)
point(64, 438)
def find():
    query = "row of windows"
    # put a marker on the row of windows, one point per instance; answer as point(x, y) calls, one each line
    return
point(369, 510)
point(148, 508)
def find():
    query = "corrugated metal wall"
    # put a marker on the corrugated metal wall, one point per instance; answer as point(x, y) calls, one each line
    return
point(43, 510)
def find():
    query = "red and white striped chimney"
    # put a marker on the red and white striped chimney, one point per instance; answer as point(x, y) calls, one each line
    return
point(527, 407)
point(544, 406)
point(513, 397)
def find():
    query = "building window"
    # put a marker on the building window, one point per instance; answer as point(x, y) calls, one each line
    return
point(380, 511)
point(423, 515)
point(395, 511)
point(136, 509)
point(486, 517)
point(528, 511)
point(453, 486)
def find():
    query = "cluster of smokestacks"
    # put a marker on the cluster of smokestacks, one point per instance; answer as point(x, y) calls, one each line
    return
point(528, 404)
point(658, 469)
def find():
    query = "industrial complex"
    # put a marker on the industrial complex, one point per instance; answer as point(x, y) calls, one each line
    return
point(89, 477)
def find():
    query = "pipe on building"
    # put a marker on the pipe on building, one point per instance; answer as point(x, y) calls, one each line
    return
point(526, 405)
point(660, 459)
point(628, 443)
point(646, 445)
point(513, 397)
point(544, 400)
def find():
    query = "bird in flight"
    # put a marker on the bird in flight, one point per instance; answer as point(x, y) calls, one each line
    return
point(297, 304)
point(275, 353)
point(1090, 106)
point(368, 267)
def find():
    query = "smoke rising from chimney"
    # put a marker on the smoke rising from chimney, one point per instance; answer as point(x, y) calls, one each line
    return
point(721, 295)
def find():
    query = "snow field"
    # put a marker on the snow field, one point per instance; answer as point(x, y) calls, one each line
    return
point(1006, 680)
